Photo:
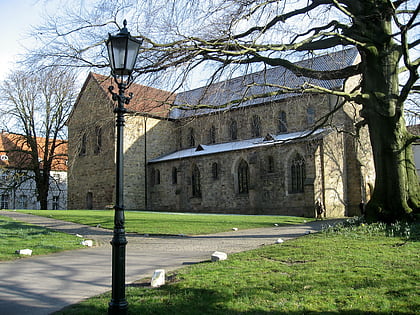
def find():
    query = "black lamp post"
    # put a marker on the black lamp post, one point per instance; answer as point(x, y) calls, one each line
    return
point(122, 51)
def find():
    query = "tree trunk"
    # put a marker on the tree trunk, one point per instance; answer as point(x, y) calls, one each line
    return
point(396, 192)
point(43, 189)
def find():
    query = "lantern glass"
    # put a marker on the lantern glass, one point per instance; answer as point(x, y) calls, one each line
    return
point(122, 52)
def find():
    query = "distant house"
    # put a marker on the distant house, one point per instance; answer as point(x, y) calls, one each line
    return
point(244, 155)
point(17, 184)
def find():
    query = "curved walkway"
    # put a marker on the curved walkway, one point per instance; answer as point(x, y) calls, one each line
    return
point(45, 284)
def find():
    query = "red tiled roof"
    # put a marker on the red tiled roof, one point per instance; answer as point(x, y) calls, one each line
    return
point(13, 155)
point(145, 99)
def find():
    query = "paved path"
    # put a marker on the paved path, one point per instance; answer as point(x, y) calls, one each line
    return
point(45, 284)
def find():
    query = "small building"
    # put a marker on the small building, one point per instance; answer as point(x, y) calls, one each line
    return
point(237, 154)
point(17, 184)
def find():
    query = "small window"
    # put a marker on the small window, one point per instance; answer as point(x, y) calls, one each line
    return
point(256, 126)
point(83, 141)
point(297, 174)
point(282, 122)
point(233, 130)
point(191, 138)
point(56, 203)
point(195, 182)
point(98, 143)
point(4, 202)
point(310, 112)
point(215, 170)
point(270, 164)
point(23, 202)
point(212, 135)
point(174, 175)
point(157, 177)
point(243, 177)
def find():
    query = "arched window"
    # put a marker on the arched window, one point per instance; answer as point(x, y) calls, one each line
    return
point(191, 138)
point(256, 126)
point(157, 174)
point(212, 135)
point(310, 114)
point(215, 170)
point(195, 182)
point(270, 164)
point(297, 174)
point(233, 130)
point(174, 175)
point(282, 122)
point(98, 144)
point(83, 145)
point(243, 177)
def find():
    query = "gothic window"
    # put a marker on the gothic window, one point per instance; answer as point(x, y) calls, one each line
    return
point(195, 182)
point(174, 175)
point(191, 138)
point(282, 122)
point(256, 126)
point(89, 200)
point(157, 177)
point(83, 145)
point(98, 143)
point(215, 170)
point(212, 135)
point(243, 177)
point(297, 174)
point(233, 130)
point(270, 164)
point(310, 114)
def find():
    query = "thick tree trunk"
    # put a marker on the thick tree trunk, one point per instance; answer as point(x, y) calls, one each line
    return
point(43, 186)
point(396, 193)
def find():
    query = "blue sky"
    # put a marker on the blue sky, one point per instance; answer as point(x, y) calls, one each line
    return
point(16, 18)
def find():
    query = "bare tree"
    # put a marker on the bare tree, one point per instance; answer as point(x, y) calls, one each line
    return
point(226, 36)
point(36, 105)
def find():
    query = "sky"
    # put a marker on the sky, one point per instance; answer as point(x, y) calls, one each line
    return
point(16, 16)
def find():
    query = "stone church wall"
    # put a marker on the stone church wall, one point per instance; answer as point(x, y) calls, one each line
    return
point(91, 169)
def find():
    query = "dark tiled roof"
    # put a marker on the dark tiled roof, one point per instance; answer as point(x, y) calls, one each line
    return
point(237, 88)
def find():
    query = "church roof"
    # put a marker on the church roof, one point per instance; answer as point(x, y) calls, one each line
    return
point(145, 99)
point(268, 140)
point(237, 88)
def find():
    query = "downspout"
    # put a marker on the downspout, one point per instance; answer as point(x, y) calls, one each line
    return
point(321, 153)
point(145, 164)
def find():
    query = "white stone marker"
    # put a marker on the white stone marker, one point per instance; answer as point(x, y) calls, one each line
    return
point(26, 251)
point(216, 256)
point(158, 278)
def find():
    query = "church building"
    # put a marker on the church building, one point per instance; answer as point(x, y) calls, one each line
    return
point(221, 149)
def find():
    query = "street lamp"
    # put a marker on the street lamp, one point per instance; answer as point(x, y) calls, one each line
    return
point(122, 51)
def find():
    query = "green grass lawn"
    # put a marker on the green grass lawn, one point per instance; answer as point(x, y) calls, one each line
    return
point(362, 269)
point(16, 235)
point(168, 223)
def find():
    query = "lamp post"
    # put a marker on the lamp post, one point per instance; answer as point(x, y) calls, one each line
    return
point(122, 51)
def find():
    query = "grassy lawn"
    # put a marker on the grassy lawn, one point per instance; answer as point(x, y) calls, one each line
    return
point(168, 223)
point(16, 235)
point(361, 269)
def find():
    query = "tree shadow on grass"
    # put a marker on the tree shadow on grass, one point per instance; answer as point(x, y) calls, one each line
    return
point(189, 301)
